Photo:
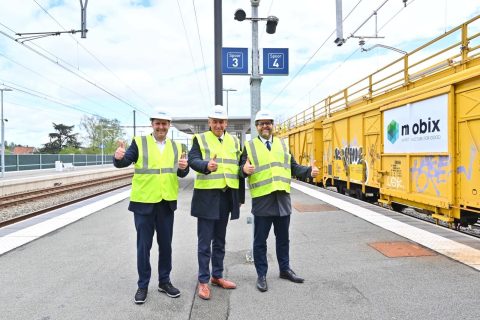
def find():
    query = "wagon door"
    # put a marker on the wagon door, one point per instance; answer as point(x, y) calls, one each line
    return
point(372, 125)
point(468, 146)
point(327, 154)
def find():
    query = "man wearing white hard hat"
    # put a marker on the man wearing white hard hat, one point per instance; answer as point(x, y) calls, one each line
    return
point(159, 162)
point(268, 165)
point(217, 194)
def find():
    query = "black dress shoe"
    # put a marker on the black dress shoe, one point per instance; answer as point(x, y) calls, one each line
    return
point(290, 275)
point(262, 283)
point(141, 295)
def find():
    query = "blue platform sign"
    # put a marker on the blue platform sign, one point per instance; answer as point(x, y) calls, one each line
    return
point(275, 61)
point(235, 60)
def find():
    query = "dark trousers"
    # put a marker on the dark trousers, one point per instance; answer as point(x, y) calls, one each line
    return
point(160, 220)
point(211, 241)
point(260, 235)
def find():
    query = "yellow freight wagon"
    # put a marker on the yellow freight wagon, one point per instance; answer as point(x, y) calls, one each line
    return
point(430, 158)
point(352, 152)
point(408, 134)
point(305, 143)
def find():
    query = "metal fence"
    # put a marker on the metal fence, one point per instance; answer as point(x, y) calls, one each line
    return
point(46, 161)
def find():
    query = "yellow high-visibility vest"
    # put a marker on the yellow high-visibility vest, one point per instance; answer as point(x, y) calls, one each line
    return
point(228, 155)
point(155, 178)
point(272, 168)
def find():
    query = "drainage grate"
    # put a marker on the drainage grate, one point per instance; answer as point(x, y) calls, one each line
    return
point(401, 249)
point(313, 207)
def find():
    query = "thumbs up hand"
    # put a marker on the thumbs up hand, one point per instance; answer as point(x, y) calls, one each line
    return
point(315, 170)
point(248, 168)
point(120, 152)
point(212, 164)
point(183, 163)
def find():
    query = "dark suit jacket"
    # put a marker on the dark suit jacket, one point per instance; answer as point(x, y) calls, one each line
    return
point(206, 202)
point(131, 156)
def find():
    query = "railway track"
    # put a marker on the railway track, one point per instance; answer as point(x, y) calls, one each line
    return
point(59, 190)
point(473, 230)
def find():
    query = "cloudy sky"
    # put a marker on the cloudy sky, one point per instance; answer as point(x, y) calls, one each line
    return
point(144, 54)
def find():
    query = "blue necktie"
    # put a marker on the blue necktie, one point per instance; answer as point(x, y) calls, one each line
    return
point(267, 143)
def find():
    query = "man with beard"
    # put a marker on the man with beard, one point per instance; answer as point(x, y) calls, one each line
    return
point(159, 162)
point(269, 166)
point(215, 156)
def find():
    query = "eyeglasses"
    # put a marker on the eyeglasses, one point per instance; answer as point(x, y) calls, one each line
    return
point(264, 123)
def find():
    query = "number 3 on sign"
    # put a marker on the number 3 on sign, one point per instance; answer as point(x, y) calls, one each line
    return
point(235, 62)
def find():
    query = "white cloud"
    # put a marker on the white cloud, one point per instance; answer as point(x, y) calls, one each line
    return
point(147, 48)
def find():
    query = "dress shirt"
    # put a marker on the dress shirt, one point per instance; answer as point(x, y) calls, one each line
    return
point(161, 144)
point(264, 141)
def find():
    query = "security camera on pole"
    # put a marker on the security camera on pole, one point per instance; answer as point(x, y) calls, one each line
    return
point(255, 78)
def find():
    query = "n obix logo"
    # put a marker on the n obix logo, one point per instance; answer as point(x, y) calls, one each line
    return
point(422, 127)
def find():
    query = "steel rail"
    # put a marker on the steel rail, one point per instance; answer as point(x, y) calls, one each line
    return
point(17, 198)
point(51, 208)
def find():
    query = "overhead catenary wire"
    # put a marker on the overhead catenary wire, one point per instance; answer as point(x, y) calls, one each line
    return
point(268, 14)
point(396, 14)
point(201, 50)
point(328, 75)
point(25, 90)
point(191, 53)
point(311, 57)
point(52, 81)
point(75, 73)
point(366, 20)
point(351, 55)
point(94, 57)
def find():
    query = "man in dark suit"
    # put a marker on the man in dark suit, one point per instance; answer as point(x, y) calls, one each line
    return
point(159, 162)
point(269, 166)
point(217, 193)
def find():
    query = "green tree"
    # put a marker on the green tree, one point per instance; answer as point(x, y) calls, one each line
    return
point(63, 138)
point(97, 129)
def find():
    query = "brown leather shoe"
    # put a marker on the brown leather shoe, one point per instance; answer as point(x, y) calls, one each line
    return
point(224, 283)
point(204, 291)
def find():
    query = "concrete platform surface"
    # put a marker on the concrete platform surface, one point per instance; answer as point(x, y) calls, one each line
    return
point(87, 270)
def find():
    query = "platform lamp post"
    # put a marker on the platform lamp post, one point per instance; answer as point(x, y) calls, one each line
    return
point(3, 132)
point(256, 78)
point(227, 91)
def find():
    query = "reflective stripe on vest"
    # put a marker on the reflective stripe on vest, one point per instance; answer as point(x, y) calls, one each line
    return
point(145, 169)
point(155, 177)
point(228, 154)
point(272, 168)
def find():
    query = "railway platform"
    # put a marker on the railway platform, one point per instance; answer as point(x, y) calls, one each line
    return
point(31, 180)
point(360, 261)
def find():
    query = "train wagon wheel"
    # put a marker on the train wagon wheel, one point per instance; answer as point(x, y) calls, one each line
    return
point(359, 194)
point(397, 207)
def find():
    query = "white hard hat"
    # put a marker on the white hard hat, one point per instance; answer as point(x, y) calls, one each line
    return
point(264, 115)
point(161, 115)
point(218, 112)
